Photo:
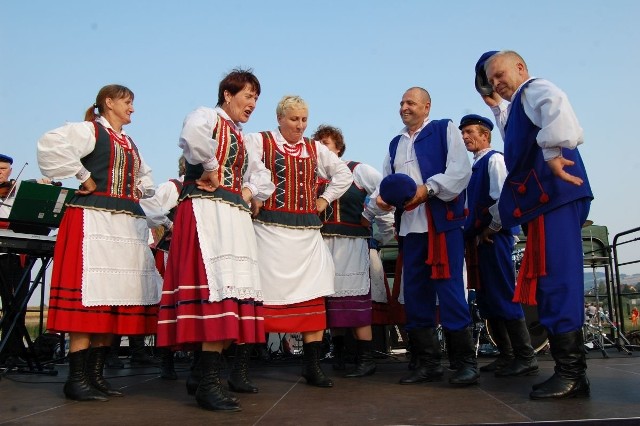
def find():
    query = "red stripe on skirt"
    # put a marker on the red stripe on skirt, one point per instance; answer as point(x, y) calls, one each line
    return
point(66, 312)
point(186, 315)
point(297, 317)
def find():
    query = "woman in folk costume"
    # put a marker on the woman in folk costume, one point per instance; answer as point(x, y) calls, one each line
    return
point(295, 264)
point(346, 230)
point(212, 293)
point(104, 279)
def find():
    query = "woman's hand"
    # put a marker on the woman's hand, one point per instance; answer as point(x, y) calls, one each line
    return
point(321, 204)
point(256, 205)
point(208, 181)
point(87, 187)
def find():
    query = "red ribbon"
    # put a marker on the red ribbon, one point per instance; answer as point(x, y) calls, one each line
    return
point(437, 258)
point(533, 263)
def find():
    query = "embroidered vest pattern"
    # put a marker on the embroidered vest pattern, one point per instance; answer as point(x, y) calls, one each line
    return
point(294, 178)
point(115, 178)
point(233, 161)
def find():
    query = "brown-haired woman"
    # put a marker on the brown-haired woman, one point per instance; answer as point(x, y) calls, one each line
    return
point(212, 294)
point(104, 279)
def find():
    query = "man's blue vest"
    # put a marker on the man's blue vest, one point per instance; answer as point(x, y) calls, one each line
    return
point(531, 189)
point(479, 199)
point(431, 152)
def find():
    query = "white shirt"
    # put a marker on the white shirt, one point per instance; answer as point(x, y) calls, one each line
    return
point(157, 207)
point(367, 178)
point(548, 108)
point(60, 151)
point(199, 147)
point(446, 186)
point(330, 167)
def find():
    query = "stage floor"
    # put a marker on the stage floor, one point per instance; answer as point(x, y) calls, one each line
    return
point(285, 399)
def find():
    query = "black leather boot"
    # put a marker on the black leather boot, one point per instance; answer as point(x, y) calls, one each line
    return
point(525, 362)
point(453, 363)
point(465, 354)
point(77, 386)
point(570, 377)
point(95, 371)
point(139, 354)
point(196, 372)
point(210, 394)
point(167, 368)
point(411, 354)
point(311, 369)
point(193, 380)
point(366, 365)
point(426, 347)
point(338, 352)
point(239, 378)
point(113, 356)
point(503, 342)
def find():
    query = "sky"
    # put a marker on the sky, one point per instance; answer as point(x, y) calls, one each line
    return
point(350, 60)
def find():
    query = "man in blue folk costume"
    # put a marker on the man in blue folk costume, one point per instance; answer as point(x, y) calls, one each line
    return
point(547, 192)
point(488, 249)
point(426, 172)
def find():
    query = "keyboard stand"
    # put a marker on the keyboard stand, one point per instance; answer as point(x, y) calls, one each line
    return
point(16, 307)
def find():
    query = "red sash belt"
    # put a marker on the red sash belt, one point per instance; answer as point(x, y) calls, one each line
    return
point(437, 258)
point(533, 263)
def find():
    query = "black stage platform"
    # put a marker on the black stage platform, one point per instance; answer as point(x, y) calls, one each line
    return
point(285, 399)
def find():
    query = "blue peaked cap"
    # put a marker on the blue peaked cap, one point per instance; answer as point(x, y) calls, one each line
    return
point(475, 119)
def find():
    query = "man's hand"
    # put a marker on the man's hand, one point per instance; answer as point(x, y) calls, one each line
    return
point(321, 204)
point(208, 181)
point(364, 222)
point(382, 205)
point(87, 187)
point(492, 100)
point(421, 196)
point(486, 236)
point(557, 168)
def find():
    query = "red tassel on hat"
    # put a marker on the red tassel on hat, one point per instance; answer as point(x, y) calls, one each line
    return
point(533, 263)
point(438, 258)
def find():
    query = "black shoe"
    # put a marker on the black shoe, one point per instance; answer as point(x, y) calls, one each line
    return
point(167, 368)
point(366, 365)
point(238, 380)
point(570, 379)
point(465, 356)
point(95, 371)
point(210, 394)
point(77, 386)
point(423, 374)
point(497, 364)
point(558, 387)
point(311, 370)
point(425, 349)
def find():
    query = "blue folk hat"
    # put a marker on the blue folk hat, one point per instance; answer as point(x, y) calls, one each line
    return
point(398, 188)
point(6, 159)
point(482, 82)
point(475, 119)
